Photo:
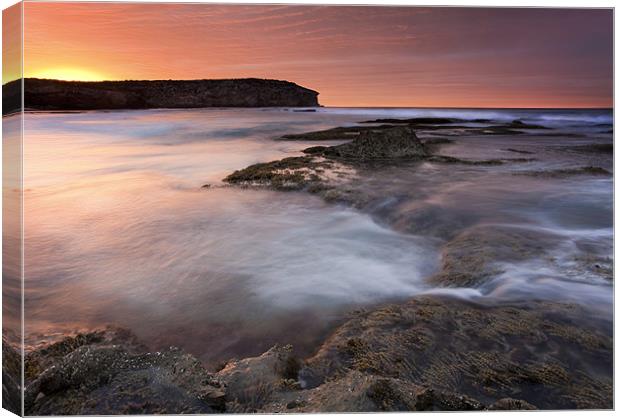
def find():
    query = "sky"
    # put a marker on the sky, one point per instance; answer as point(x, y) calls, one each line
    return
point(353, 56)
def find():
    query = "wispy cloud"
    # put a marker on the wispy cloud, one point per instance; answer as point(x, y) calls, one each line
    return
point(352, 55)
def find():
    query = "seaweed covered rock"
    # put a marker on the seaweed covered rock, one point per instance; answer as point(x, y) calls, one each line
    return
point(364, 392)
point(549, 355)
point(293, 173)
point(108, 373)
point(254, 382)
point(474, 255)
point(11, 378)
point(394, 143)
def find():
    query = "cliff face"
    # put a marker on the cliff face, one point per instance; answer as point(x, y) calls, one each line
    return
point(80, 95)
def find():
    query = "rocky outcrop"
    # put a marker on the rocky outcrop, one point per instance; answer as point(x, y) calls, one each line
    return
point(79, 95)
point(11, 378)
point(430, 353)
point(394, 143)
point(472, 257)
point(109, 372)
point(548, 355)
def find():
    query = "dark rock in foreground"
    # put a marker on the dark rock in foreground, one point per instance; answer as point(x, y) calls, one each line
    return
point(11, 378)
point(544, 354)
point(110, 372)
point(431, 353)
point(80, 95)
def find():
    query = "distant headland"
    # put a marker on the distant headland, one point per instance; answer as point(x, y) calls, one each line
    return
point(44, 94)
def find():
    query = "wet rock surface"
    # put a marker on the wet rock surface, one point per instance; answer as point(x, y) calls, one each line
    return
point(593, 148)
point(109, 372)
point(534, 353)
point(393, 143)
point(11, 378)
point(471, 257)
point(567, 172)
point(330, 170)
point(431, 353)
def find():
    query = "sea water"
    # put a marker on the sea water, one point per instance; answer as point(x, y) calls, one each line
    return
point(119, 230)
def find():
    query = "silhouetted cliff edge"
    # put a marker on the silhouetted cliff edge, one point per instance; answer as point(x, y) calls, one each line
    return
point(82, 95)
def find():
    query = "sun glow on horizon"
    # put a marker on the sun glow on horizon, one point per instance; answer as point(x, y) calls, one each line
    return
point(68, 74)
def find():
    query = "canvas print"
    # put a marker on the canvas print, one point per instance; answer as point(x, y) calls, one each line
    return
point(229, 208)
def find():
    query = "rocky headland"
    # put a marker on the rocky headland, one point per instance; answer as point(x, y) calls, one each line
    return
point(43, 94)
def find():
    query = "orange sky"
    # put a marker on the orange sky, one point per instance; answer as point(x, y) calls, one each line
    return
point(354, 56)
point(11, 43)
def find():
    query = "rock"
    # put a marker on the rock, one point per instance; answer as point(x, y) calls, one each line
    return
point(593, 148)
point(314, 150)
point(363, 392)
point(253, 381)
point(509, 404)
point(472, 257)
point(566, 172)
point(437, 141)
point(293, 173)
point(102, 373)
point(11, 378)
point(394, 143)
point(518, 124)
point(445, 159)
point(430, 353)
point(417, 121)
point(518, 151)
point(80, 95)
point(554, 355)
point(339, 133)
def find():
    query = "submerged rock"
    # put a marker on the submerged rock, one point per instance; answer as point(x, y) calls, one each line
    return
point(338, 133)
point(593, 148)
point(566, 172)
point(518, 151)
point(472, 257)
point(417, 121)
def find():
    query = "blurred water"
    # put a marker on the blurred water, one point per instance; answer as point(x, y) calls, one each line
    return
point(119, 231)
